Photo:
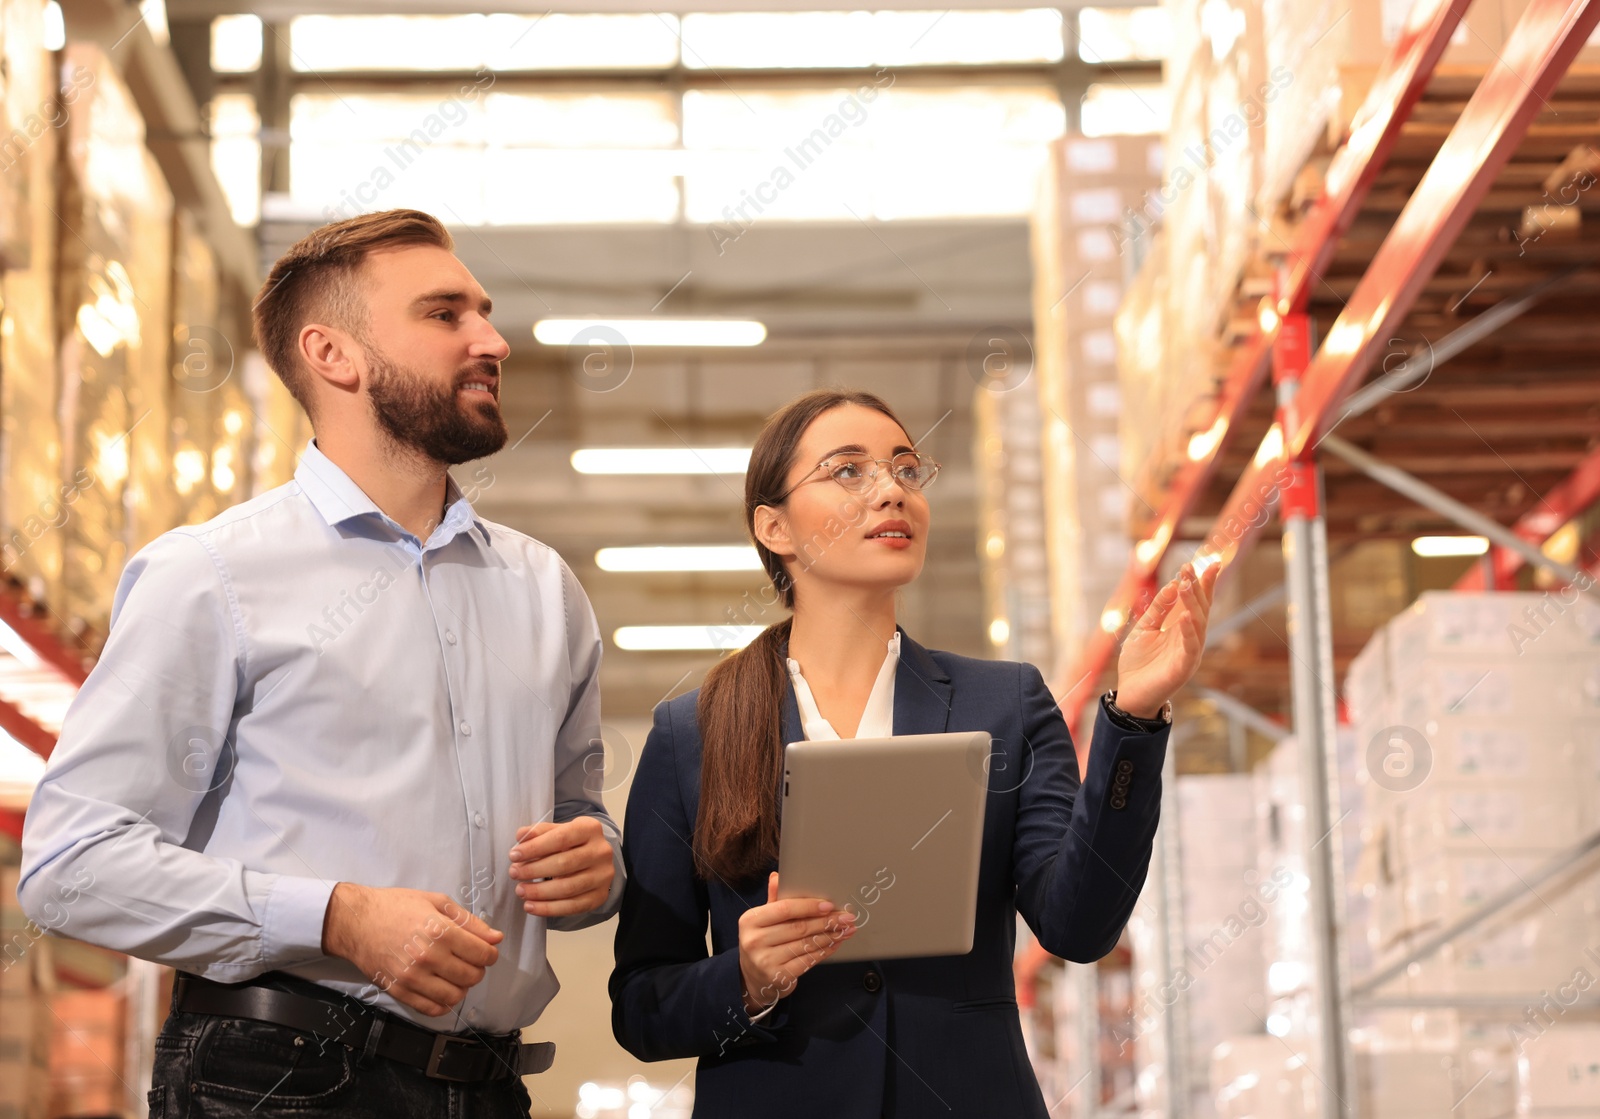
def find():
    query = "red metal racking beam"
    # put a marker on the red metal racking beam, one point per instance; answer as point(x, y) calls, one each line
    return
point(72, 664)
point(1537, 55)
point(15, 723)
point(1577, 492)
point(1489, 129)
point(1395, 92)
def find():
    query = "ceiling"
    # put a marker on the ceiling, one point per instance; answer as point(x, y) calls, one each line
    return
point(890, 308)
point(283, 9)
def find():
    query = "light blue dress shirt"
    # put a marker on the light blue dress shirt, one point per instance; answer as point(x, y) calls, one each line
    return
point(299, 692)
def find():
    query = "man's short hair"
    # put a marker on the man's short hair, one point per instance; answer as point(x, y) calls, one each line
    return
point(316, 281)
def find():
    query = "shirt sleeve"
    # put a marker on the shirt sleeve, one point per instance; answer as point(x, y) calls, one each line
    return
point(112, 843)
point(1082, 852)
point(580, 759)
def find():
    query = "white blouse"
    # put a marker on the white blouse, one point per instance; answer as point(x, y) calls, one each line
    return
point(877, 718)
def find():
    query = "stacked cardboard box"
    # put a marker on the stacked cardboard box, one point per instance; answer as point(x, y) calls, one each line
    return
point(1261, 1077)
point(1477, 720)
point(115, 275)
point(1087, 240)
point(1255, 1076)
point(26, 117)
point(26, 978)
point(215, 423)
point(30, 443)
point(1261, 92)
point(1011, 518)
point(1558, 1076)
point(1483, 762)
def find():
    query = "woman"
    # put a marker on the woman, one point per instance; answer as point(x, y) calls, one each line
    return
point(834, 500)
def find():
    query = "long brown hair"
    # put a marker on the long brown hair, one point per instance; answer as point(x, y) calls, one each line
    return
point(740, 709)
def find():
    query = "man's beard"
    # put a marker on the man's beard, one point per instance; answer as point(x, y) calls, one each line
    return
point(431, 419)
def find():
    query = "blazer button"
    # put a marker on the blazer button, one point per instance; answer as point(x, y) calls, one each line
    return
point(872, 981)
point(1125, 766)
point(1119, 801)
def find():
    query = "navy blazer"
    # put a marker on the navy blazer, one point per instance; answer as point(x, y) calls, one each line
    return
point(912, 1037)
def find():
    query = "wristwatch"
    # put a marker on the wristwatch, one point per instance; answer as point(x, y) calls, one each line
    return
point(1133, 722)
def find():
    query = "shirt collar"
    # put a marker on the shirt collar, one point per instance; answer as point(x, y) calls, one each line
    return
point(338, 499)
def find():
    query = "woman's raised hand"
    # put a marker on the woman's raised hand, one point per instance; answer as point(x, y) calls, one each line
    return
point(1163, 648)
point(782, 940)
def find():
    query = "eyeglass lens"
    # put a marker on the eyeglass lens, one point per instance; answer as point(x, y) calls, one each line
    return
point(856, 472)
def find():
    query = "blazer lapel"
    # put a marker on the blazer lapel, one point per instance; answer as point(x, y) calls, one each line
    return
point(921, 691)
point(793, 730)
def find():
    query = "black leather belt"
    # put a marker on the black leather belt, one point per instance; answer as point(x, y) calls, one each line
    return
point(366, 1030)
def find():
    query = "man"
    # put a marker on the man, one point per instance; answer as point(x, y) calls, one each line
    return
point(339, 761)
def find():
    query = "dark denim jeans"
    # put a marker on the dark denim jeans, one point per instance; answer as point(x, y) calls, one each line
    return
point(211, 1067)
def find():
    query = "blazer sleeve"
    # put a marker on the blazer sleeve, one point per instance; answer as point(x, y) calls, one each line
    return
point(670, 997)
point(1082, 852)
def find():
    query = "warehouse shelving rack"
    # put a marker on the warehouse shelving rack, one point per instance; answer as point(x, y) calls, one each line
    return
point(1405, 234)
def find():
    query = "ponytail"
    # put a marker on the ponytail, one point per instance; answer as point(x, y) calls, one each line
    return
point(740, 715)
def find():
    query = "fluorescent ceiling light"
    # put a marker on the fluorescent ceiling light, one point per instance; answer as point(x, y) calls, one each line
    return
point(665, 638)
point(1431, 546)
point(692, 557)
point(651, 332)
point(661, 460)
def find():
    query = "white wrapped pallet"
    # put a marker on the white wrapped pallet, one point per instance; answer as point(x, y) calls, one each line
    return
point(1482, 764)
point(1558, 1074)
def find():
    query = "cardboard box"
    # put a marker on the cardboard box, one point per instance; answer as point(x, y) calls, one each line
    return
point(1559, 1073)
point(1483, 816)
point(1479, 685)
point(1375, 25)
point(1503, 624)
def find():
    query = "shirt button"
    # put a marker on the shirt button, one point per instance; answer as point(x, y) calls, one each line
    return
point(450, 636)
point(477, 818)
point(483, 915)
point(466, 728)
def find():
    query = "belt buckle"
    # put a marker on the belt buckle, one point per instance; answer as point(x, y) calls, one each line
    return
point(441, 1042)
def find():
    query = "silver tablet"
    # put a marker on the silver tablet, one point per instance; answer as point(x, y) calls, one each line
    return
point(892, 830)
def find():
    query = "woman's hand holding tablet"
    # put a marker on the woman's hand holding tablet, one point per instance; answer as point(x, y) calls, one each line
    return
point(782, 940)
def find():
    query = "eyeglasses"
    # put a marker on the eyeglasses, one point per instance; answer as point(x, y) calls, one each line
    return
point(858, 473)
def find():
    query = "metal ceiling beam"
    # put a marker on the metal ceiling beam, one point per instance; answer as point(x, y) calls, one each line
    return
point(1351, 173)
point(282, 9)
point(673, 78)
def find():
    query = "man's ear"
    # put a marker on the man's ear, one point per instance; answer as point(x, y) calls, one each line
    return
point(772, 529)
point(332, 355)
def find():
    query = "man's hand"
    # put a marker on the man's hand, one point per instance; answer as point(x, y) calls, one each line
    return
point(421, 948)
point(563, 869)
